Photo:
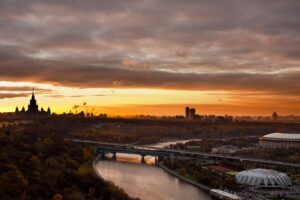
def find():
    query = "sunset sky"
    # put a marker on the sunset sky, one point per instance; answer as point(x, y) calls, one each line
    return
point(153, 57)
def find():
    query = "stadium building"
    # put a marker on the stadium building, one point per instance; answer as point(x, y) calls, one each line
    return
point(280, 141)
point(263, 178)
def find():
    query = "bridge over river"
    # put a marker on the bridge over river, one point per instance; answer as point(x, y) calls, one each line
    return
point(173, 153)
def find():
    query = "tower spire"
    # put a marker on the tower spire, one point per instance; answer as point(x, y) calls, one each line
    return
point(32, 96)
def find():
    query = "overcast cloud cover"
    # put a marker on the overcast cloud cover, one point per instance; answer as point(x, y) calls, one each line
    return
point(231, 45)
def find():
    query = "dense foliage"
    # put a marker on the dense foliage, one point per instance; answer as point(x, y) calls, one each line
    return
point(191, 169)
point(37, 163)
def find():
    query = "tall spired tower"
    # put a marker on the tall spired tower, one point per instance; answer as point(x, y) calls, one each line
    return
point(33, 108)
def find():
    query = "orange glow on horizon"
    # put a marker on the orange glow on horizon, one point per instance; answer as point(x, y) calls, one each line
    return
point(129, 102)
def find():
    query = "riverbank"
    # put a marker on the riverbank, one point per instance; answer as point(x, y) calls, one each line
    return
point(183, 178)
point(94, 166)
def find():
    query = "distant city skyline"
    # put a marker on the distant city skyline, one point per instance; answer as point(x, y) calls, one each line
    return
point(152, 57)
point(130, 101)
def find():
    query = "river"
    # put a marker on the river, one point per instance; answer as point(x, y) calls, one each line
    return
point(146, 181)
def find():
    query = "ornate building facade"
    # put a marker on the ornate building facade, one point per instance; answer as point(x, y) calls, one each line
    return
point(33, 109)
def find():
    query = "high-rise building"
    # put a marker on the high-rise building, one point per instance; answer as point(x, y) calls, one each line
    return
point(275, 116)
point(187, 112)
point(33, 109)
point(192, 114)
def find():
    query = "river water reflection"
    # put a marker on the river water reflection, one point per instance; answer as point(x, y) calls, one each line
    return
point(146, 181)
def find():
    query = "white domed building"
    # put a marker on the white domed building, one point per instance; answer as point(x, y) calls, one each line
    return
point(280, 141)
point(263, 178)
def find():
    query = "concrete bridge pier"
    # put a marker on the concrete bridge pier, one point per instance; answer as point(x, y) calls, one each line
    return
point(143, 158)
point(155, 159)
point(114, 157)
point(103, 155)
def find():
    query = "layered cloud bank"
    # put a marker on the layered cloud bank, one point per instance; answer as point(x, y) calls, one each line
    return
point(198, 45)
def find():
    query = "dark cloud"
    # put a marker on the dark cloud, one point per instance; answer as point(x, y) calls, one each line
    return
point(238, 45)
point(20, 91)
point(97, 77)
point(24, 89)
point(181, 54)
point(13, 95)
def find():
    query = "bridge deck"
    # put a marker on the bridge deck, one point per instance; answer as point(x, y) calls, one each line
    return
point(132, 149)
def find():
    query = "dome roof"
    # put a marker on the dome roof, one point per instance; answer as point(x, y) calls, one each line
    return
point(285, 136)
point(263, 178)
